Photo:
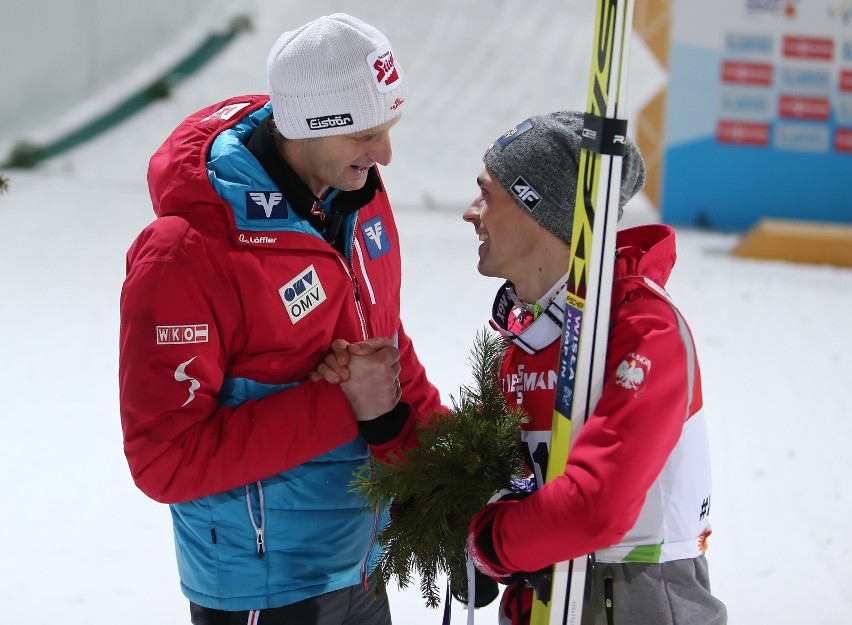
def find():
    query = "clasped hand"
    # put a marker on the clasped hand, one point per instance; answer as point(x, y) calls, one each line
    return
point(367, 372)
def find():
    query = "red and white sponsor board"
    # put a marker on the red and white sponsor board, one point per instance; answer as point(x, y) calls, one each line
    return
point(763, 87)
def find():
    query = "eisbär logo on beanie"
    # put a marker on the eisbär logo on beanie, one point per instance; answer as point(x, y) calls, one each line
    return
point(329, 121)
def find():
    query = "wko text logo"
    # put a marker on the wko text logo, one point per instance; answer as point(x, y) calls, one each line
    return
point(175, 335)
point(302, 294)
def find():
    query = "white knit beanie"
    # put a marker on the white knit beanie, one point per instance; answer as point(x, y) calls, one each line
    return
point(335, 75)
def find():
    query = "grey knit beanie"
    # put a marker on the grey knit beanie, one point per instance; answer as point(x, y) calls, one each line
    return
point(538, 163)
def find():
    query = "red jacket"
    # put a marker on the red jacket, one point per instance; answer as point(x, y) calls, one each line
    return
point(215, 297)
point(652, 387)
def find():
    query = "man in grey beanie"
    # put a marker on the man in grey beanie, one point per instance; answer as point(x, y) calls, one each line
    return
point(274, 236)
point(636, 490)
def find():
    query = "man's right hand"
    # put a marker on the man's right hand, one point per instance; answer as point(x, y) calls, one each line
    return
point(368, 374)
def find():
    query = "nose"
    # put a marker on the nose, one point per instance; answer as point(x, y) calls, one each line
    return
point(471, 213)
point(380, 150)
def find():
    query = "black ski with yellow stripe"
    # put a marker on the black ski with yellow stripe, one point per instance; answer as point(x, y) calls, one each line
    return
point(584, 333)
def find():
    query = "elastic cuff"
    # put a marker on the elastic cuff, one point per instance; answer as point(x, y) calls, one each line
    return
point(485, 543)
point(385, 427)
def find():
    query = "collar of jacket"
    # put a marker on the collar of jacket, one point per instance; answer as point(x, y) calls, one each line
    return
point(531, 335)
point(326, 216)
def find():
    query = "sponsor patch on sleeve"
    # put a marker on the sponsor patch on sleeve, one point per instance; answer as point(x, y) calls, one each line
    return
point(179, 335)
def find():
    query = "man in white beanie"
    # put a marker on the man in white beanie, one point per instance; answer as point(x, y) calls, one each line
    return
point(274, 236)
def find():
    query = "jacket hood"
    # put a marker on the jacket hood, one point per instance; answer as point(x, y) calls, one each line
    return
point(177, 173)
point(648, 251)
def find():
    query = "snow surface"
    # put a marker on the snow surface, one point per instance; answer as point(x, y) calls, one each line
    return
point(81, 545)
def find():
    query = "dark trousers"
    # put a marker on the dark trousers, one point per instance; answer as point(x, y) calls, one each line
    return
point(349, 606)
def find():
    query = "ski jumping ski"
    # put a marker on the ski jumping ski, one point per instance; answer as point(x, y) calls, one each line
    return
point(584, 333)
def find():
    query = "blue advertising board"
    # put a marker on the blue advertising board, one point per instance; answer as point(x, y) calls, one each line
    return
point(759, 113)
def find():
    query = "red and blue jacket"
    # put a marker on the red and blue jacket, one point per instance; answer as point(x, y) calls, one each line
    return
point(636, 487)
point(230, 300)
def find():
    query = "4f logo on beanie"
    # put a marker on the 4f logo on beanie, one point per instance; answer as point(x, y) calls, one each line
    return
point(525, 193)
point(384, 70)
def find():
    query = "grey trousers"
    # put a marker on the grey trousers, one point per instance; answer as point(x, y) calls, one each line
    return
point(348, 606)
point(671, 593)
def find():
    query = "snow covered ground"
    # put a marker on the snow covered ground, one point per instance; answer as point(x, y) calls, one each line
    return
point(83, 546)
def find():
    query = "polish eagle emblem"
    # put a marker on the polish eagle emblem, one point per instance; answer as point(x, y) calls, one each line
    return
point(632, 371)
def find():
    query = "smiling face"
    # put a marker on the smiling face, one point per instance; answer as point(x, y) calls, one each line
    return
point(508, 237)
point(513, 245)
point(339, 161)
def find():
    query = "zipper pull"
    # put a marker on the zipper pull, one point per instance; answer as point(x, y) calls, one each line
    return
point(356, 288)
point(609, 608)
point(261, 550)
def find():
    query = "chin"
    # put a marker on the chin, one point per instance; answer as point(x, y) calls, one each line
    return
point(353, 185)
point(482, 268)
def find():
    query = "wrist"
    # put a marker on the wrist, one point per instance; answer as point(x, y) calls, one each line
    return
point(386, 426)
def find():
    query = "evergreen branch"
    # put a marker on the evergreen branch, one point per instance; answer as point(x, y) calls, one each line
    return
point(463, 458)
point(4, 183)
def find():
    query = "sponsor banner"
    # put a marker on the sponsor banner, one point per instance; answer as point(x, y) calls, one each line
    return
point(743, 133)
point(798, 107)
point(747, 73)
point(843, 140)
point(802, 137)
point(763, 87)
point(746, 104)
point(805, 79)
point(808, 48)
point(843, 112)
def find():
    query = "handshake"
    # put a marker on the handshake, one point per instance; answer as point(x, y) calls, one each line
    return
point(367, 372)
